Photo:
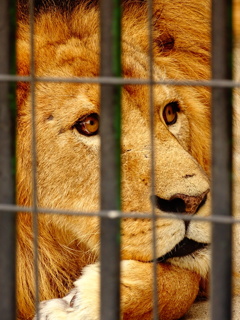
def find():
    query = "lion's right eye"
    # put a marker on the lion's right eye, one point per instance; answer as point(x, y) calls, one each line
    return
point(170, 113)
point(88, 125)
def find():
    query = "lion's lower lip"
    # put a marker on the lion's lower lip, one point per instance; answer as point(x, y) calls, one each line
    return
point(183, 248)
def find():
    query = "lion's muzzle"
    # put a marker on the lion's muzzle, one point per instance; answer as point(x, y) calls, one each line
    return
point(183, 248)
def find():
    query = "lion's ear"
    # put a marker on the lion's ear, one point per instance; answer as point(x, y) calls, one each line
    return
point(163, 36)
point(164, 42)
point(23, 63)
point(172, 33)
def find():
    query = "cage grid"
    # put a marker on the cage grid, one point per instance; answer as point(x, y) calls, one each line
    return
point(111, 82)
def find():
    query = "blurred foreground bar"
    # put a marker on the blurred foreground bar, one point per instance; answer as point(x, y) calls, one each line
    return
point(221, 161)
point(110, 158)
point(7, 219)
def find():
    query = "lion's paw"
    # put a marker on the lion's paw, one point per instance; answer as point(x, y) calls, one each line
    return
point(82, 303)
point(55, 309)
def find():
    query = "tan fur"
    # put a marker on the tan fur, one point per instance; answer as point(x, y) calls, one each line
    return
point(66, 45)
point(236, 20)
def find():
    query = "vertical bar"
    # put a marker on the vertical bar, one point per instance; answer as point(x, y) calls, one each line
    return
point(221, 160)
point(110, 159)
point(7, 219)
point(34, 155)
point(151, 114)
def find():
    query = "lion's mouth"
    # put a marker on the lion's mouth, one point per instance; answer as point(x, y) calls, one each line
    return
point(182, 249)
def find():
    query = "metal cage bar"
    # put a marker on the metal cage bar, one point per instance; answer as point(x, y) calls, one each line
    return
point(7, 219)
point(221, 83)
point(155, 291)
point(110, 23)
point(34, 195)
point(221, 161)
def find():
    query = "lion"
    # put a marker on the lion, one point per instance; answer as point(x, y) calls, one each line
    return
point(68, 169)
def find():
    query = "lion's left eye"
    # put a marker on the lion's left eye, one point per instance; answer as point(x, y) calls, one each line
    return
point(170, 113)
point(88, 125)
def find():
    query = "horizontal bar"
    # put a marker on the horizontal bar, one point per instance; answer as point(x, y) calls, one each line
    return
point(125, 81)
point(113, 214)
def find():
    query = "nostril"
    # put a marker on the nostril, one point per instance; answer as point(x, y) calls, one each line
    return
point(175, 205)
point(181, 203)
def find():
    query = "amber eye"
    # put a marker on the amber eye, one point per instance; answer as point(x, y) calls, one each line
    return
point(170, 113)
point(88, 125)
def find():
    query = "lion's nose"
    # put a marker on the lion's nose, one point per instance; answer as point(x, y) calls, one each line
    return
point(181, 203)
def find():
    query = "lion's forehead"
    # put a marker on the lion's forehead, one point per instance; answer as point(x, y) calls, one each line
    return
point(75, 57)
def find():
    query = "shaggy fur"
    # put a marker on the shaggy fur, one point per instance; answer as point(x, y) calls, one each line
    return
point(67, 45)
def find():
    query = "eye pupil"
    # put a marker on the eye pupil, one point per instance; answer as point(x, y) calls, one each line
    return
point(170, 113)
point(88, 125)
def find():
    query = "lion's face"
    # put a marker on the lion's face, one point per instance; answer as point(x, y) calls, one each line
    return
point(68, 156)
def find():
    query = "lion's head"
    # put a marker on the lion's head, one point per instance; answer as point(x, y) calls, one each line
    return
point(67, 124)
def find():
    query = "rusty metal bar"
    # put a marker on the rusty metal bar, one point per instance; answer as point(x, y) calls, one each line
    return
point(221, 161)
